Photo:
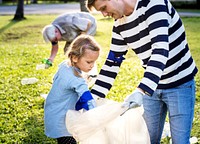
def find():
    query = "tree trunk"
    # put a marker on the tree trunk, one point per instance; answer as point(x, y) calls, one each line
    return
point(198, 4)
point(19, 15)
point(34, 1)
point(83, 6)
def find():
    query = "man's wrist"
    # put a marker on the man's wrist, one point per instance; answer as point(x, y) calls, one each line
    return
point(140, 90)
point(144, 92)
point(51, 60)
point(54, 43)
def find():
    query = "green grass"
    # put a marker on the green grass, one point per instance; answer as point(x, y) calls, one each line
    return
point(189, 10)
point(22, 48)
point(14, 2)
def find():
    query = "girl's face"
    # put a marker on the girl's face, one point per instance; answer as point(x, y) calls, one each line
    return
point(87, 61)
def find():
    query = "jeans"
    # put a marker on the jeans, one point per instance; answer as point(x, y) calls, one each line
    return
point(179, 103)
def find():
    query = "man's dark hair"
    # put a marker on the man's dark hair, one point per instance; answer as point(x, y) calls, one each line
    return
point(90, 4)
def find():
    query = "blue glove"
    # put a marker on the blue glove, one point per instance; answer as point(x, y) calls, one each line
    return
point(134, 100)
point(86, 102)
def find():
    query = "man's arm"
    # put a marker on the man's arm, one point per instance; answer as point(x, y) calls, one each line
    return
point(54, 51)
point(108, 73)
point(88, 27)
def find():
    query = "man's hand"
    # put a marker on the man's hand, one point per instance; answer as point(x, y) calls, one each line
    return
point(134, 100)
point(47, 63)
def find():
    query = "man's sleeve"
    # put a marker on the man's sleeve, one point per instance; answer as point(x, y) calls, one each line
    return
point(110, 69)
point(159, 34)
point(80, 23)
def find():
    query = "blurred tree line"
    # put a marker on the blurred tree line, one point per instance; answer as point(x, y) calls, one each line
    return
point(19, 14)
point(36, 1)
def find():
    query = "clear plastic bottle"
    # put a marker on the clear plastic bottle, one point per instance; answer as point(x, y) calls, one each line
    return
point(40, 66)
point(44, 95)
point(25, 81)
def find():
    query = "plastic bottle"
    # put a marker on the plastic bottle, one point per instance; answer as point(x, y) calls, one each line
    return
point(40, 66)
point(25, 81)
point(44, 95)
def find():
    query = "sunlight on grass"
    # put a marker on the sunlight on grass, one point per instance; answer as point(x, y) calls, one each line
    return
point(22, 48)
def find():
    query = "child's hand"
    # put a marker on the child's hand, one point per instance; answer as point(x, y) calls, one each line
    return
point(91, 104)
point(86, 102)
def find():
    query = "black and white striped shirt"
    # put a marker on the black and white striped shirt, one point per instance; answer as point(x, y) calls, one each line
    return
point(154, 31)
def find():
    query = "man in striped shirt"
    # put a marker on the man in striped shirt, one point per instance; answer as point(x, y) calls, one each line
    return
point(154, 31)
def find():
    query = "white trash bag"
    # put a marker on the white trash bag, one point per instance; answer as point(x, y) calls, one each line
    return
point(104, 125)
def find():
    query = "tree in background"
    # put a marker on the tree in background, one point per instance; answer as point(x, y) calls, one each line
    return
point(83, 6)
point(198, 4)
point(34, 1)
point(19, 14)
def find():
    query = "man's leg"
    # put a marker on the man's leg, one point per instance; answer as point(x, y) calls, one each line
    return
point(155, 111)
point(180, 102)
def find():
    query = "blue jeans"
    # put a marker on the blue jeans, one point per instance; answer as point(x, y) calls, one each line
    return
point(179, 103)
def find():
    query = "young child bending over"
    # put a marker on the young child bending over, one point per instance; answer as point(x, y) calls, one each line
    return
point(69, 89)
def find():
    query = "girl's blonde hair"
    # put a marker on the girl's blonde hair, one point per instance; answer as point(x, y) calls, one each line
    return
point(79, 45)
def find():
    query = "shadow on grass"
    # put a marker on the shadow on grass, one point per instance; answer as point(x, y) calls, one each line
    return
point(10, 24)
point(35, 132)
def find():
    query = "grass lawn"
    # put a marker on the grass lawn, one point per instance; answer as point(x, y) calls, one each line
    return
point(22, 48)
